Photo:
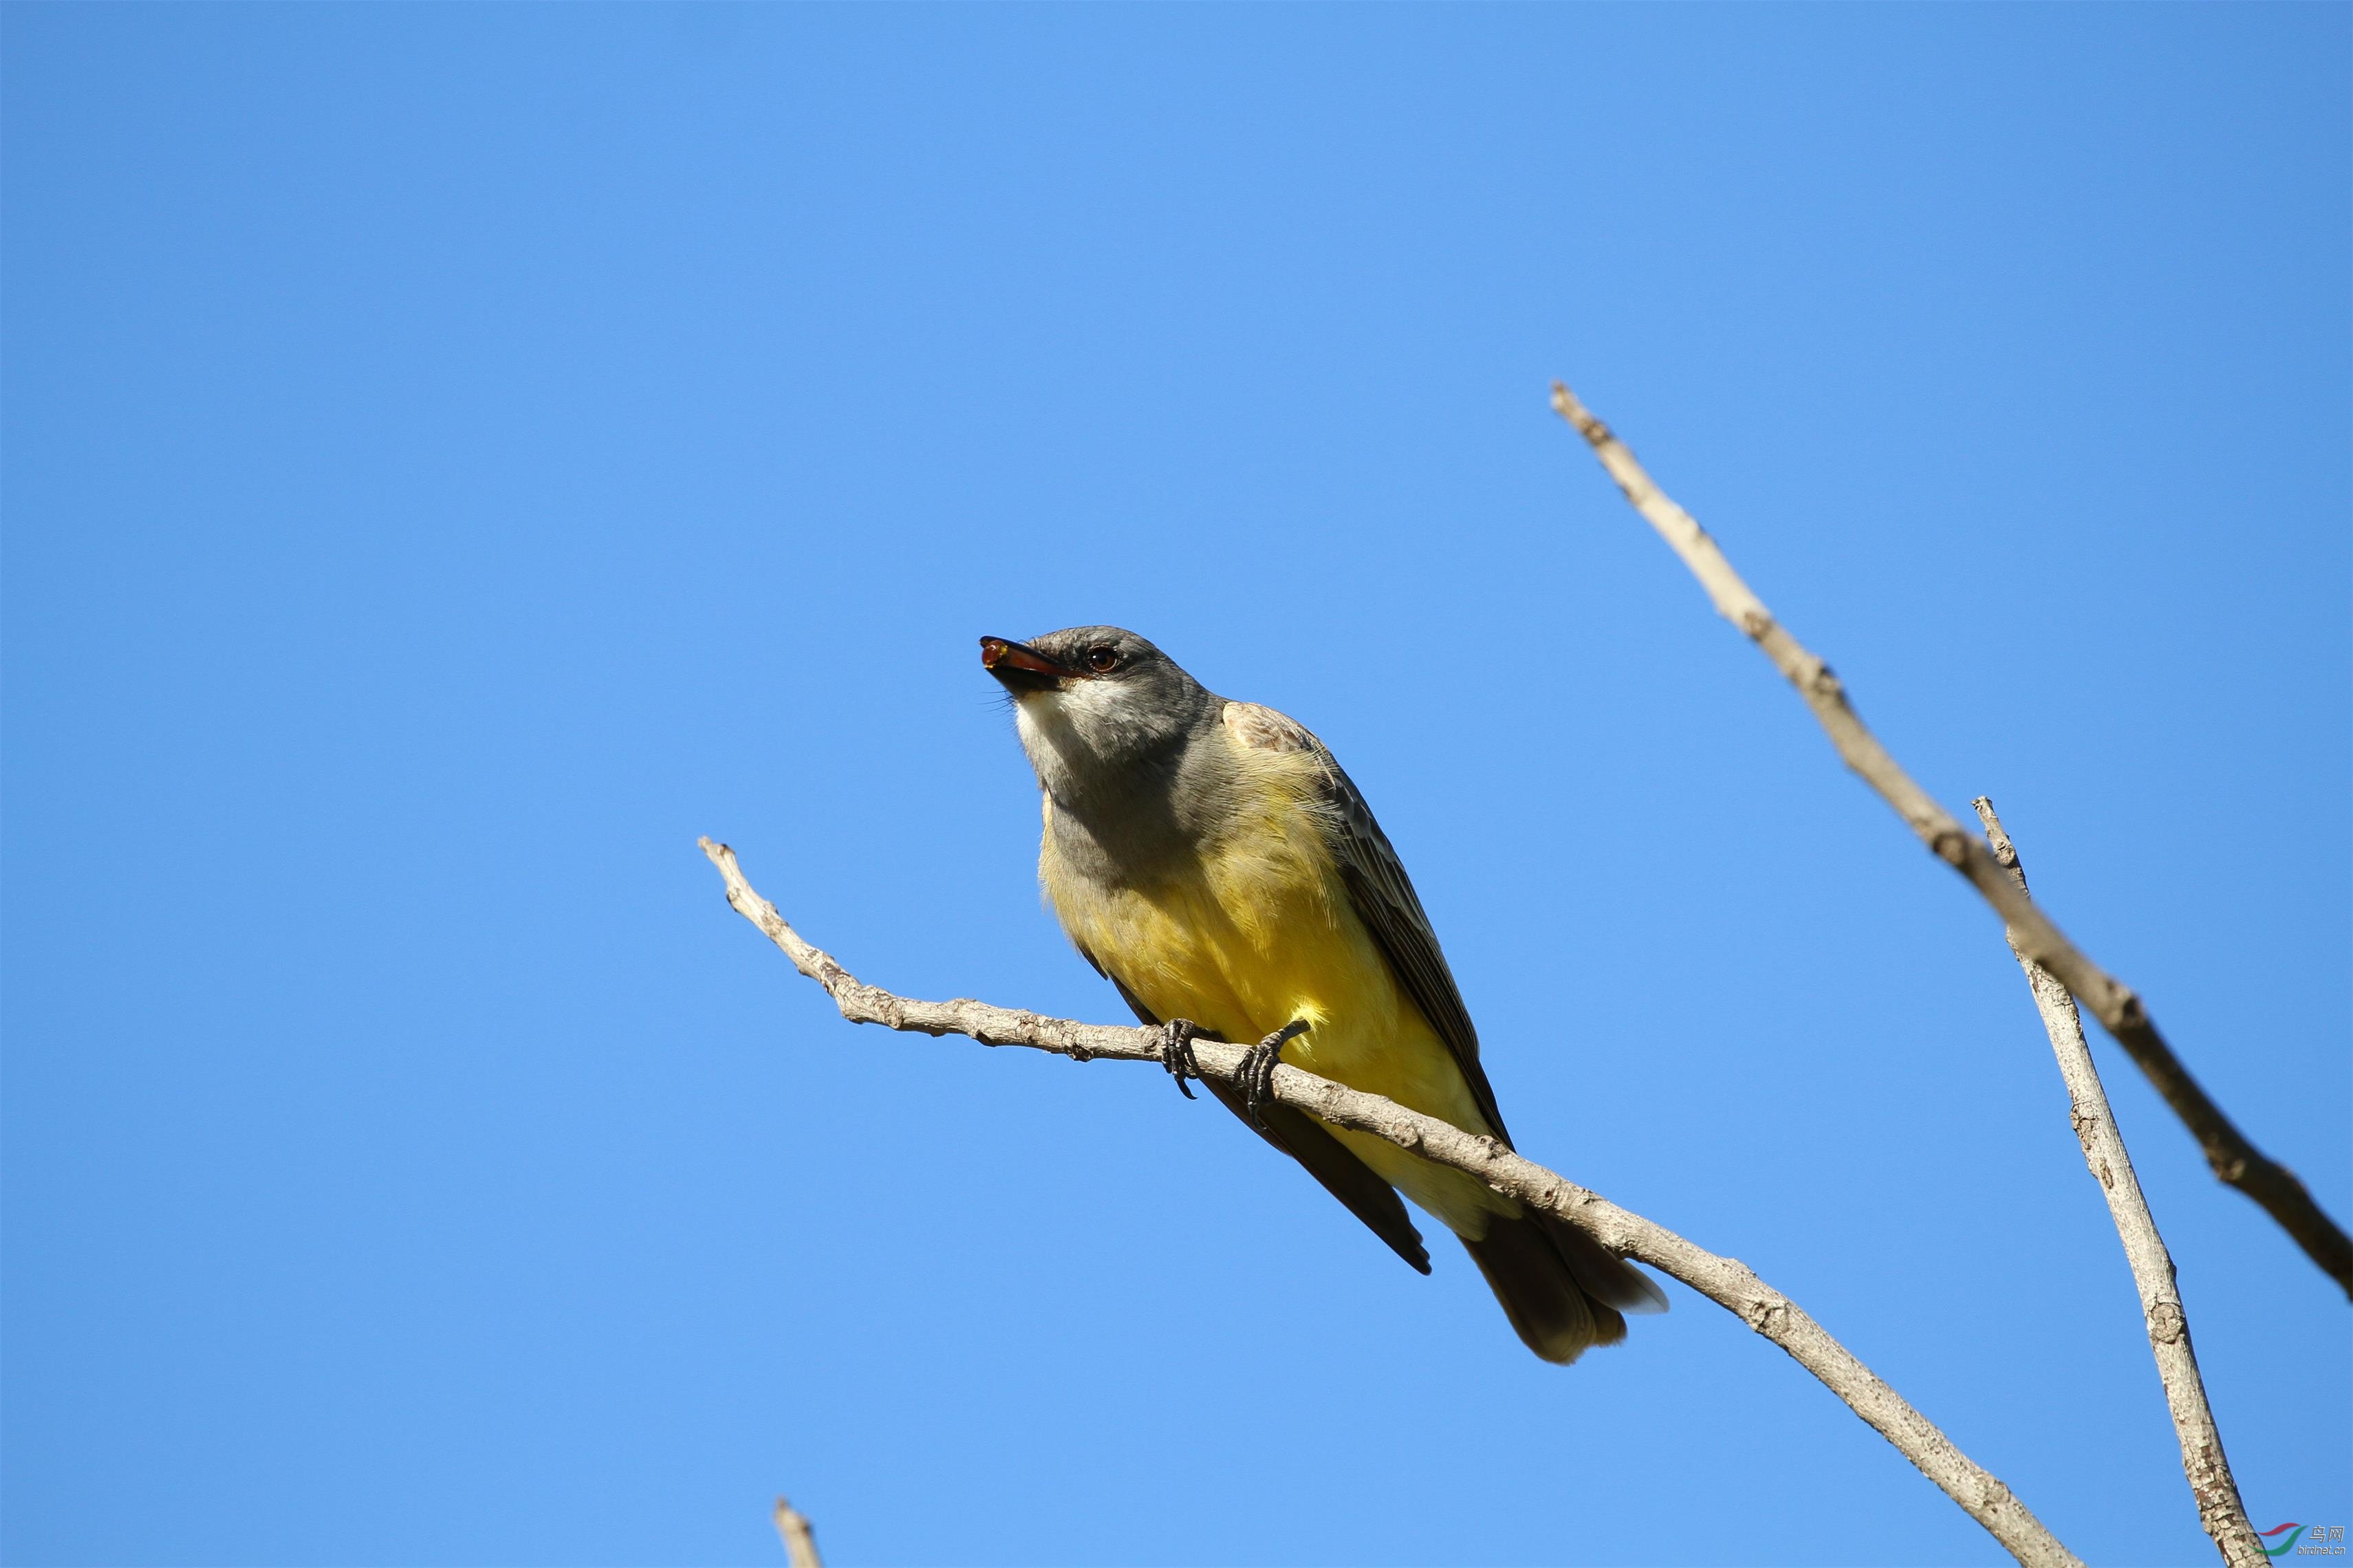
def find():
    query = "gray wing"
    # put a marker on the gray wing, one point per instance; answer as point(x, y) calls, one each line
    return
point(1384, 900)
point(1381, 893)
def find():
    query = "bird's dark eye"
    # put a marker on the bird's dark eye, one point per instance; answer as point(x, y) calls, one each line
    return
point(1102, 659)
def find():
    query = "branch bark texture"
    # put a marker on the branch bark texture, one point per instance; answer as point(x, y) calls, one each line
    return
point(2202, 1459)
point(2119, 1010)
point(1723, 1281)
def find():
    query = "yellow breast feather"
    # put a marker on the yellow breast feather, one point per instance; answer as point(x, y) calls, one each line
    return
point(1214, 859)
point(1258, 929)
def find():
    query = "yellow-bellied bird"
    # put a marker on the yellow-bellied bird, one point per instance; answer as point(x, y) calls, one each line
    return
point(1213, 862)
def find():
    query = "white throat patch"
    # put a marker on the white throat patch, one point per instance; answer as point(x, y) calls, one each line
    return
point(1055, 728)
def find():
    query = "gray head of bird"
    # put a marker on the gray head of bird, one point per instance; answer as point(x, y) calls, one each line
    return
point(1098, 708)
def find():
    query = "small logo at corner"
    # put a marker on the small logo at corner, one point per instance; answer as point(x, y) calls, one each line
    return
point(2319, 1540)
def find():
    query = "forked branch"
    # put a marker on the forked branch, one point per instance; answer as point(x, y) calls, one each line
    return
point(2211, 1485)
point(2119, 1010)
point(1723, 1281)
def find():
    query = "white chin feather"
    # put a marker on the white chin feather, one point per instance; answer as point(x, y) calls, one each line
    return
point(1055, 729)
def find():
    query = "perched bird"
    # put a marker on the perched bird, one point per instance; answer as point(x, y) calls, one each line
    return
point(1212, 861)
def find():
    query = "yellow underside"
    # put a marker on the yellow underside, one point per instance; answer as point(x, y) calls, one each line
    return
point(1259, 931)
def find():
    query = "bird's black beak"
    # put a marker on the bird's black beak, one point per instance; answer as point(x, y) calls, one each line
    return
point(1021, 667)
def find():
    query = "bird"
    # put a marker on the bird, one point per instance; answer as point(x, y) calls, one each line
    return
point(1212, 861)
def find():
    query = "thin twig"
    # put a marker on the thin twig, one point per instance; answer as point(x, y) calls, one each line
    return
point(2119, 1010)
point(2202, 1459)
point(1723, 1281)
point(800, 1536)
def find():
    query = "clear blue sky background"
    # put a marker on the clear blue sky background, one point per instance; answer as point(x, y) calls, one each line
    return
point(454, 456)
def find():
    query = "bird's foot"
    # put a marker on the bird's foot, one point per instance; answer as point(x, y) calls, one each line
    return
point(1255, 1076)
point(1176, 1037)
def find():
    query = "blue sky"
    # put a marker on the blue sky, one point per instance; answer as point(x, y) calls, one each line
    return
point(454, 456)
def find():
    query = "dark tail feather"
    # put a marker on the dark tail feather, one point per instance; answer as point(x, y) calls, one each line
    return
point(1306, 1140)
point(1606, 1277)
point(1344, 1175)
point(1562, 1289)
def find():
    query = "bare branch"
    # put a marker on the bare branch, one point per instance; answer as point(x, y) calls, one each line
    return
point(2119, 1010)
point(1723, 1281)
point(2202, 1459)
point(799, 1537)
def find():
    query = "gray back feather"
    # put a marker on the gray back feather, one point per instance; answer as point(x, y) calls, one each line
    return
point(1384, 899)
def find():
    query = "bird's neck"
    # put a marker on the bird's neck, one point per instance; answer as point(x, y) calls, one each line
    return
point(1132, 825)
